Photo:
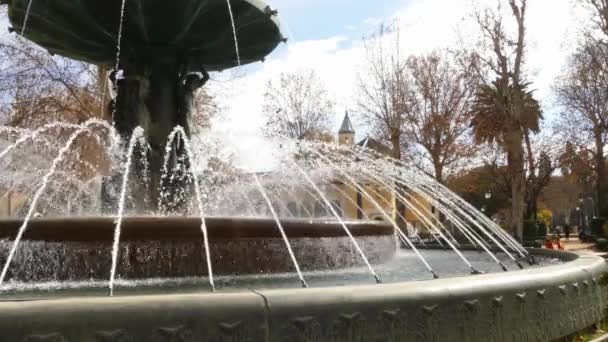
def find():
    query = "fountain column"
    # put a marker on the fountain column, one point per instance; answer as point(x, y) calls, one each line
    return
point(157, 94)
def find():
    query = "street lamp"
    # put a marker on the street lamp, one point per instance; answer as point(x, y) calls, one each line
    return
point(593, 207)
point(579, 219)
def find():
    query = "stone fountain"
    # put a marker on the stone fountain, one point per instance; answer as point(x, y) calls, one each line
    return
point(360, 286)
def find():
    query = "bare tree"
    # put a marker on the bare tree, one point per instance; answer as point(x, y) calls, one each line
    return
point(543, 158)
point(582, 90)
point(437, 128)
point(384, 94)
point(507, 97)
point(297, 105)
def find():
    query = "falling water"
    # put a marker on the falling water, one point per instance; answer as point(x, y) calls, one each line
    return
point(281, 229)
point(118, 50)
point(424, 218)
point(236, 41)
point(386, 216)
point(27, 16)
point(446, 196)
point(33, 135)
point(326, 172)
point(66, 148)
point(136, 137)
point(179, 132)
point(119, 37)
point(333, 211)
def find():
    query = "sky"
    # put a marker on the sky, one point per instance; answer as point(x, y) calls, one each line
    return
point(326, 35)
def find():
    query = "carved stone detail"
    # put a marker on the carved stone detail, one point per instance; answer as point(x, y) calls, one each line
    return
point(497, 302)
point(348, 328)
point(472, 305)
point(389, 327)
point(308, 328)
point(469, 327)
point(428, 326)
point(174, 334)
point(51, 337)
point(575, 287)
point(498, 318)
point(112, 336)
point(233, 332)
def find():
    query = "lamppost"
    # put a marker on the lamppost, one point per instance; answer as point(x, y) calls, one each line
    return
point(487, 196)
point(593, 207)
point(579, 218)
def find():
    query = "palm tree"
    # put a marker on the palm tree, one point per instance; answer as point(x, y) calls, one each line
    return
point(506, 114)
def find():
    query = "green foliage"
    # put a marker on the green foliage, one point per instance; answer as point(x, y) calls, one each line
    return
point(602, 244)
point(546, 217)
point(597, 226)
point(476, 184)
point(495, 115)
point(534, 230)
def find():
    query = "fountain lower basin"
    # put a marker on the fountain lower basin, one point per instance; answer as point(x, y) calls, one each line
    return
point(564, 294)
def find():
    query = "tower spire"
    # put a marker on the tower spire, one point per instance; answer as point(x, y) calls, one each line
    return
point(346, 134)
point(347, 126)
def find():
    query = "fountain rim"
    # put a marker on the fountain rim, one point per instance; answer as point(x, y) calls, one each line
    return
point(175, 228)
point(267, 315)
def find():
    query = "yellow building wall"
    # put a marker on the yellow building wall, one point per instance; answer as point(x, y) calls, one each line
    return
point(377, 203)
point(10, 203)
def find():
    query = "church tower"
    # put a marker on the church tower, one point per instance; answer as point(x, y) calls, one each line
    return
point(346, 134)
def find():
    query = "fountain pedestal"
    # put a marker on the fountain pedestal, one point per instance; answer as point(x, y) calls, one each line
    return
point(157, 95)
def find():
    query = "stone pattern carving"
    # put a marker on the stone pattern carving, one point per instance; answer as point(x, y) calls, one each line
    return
point(517, 316)
point(113, 336)
point(52, 337)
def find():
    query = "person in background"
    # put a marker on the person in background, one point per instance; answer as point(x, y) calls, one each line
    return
point(567, 232)
point(548, 243)
point(557, 243)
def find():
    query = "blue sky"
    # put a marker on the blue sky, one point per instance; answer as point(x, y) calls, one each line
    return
point(319, 19)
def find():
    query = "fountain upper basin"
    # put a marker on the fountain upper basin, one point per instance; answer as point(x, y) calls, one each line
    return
point(198, 31)
point(78, 249)
point(156, 228)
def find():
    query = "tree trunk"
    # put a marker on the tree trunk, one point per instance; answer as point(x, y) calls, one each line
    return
point(438, 171)
point(515, 154)
point(396, 142)
point(600, 169)
point(530, 183)
point(398, 205)
point(531, 207)
point(9, 205)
